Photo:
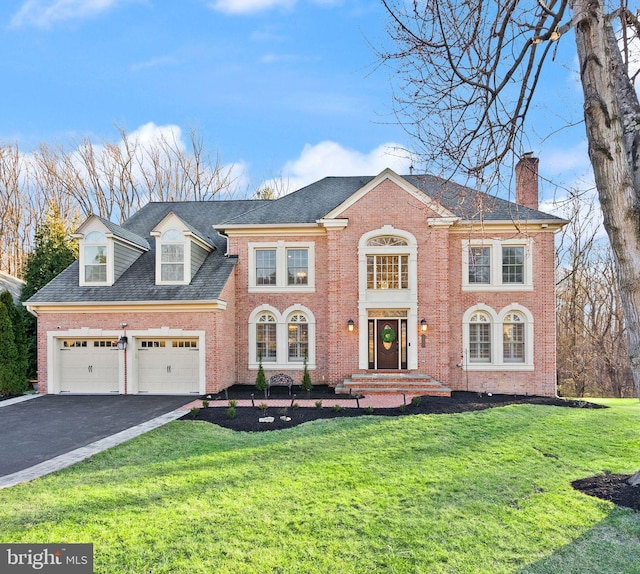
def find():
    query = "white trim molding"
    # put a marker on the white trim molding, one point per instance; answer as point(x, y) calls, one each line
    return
point(497, 362)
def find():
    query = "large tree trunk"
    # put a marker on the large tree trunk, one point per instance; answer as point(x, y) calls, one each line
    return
point(612, 118)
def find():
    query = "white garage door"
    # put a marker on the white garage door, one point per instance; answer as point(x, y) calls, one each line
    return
point(168, 366)
point(88, 365)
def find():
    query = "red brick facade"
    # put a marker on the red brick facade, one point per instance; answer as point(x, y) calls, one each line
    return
point(437, 243)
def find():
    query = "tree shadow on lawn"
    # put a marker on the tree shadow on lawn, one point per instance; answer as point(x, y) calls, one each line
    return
point(614, 488)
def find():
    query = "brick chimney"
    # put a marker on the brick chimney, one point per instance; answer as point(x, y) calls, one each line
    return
point(527, 181)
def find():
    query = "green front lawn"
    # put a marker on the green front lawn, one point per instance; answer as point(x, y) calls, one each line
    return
point(483, 492)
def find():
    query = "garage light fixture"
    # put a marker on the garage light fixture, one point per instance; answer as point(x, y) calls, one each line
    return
point(122, 343)
point(350, 324)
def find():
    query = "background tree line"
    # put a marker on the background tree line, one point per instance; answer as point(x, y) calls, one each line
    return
point(111, 180)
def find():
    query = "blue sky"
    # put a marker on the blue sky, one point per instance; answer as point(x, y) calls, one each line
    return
point(277, 87)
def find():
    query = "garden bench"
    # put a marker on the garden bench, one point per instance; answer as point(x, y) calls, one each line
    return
point(279, 380)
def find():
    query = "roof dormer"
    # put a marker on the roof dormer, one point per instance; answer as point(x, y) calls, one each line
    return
point(180, 251)
point(106, 251)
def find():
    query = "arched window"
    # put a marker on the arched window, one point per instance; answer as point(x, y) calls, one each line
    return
point(513, 338)
point(387, 270)
point(298, 337)
point(95, 257)
point(172, 256)
point(266, 338)
point(480, 338)
point(386, 241)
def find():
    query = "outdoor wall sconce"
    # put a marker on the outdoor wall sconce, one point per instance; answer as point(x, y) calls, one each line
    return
point(350, 325)
point(122, 343)
point(423, 326)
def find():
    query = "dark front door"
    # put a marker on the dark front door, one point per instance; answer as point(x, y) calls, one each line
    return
point(388, 344)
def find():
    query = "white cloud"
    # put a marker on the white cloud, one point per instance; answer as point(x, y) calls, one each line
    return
point(249, 6)
point(46, 13)
point(253, 6)
point(329, 158)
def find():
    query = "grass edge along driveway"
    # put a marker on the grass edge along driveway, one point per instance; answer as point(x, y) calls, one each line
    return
point(475, 492)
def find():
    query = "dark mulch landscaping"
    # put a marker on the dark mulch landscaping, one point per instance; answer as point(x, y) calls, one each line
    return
point(612, 487)
point(246, 418)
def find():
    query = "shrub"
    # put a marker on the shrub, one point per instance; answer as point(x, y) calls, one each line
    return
point(231, 412)
point(194, 412)
point(318, 404)
point(261, 380)
point(307, 385)
point(369, 410)
point(263, 406)
point(8, 356)
point(415, 401)
point(205, 404)
point(336, 408)
point(402, 408)
point(295, 406)
point(233, 403)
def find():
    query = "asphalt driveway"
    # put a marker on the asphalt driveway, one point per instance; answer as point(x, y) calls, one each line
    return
point(40, 429)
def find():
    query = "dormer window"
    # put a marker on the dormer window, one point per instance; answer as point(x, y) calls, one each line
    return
point(172, 256)
point(95, 257)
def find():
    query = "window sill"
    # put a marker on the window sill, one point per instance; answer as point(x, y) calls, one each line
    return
point(501, 287)
point(282, 366)
point(286, 289)
point(498, 367)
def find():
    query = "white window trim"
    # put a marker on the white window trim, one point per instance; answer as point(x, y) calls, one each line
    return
point(497, 320)
point(282, 339)
point(110, 255)
point(495, 256)
point(281, 285)
point(187, 258)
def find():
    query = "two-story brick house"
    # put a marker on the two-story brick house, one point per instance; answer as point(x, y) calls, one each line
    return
point(401, 282)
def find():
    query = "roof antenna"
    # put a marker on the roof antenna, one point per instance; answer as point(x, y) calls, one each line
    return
point(411, 169)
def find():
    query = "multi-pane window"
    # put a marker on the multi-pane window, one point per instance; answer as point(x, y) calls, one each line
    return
point(266, 345)
point(480, 338)
point(479, 265)
point(298, 335)
point(265, 266)
point(387, 272)
point(172, 256)
point(297, 266)
point(512, 264)
point(513, 343)
point(95, 257)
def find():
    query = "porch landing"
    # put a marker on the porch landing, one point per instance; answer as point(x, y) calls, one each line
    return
point(393, 383)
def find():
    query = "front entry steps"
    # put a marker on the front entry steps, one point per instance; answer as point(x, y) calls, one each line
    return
point(392, 383)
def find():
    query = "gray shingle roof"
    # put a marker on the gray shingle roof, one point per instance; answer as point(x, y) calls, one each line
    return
point(123, 233)
point(306, 205)
point(314, 201)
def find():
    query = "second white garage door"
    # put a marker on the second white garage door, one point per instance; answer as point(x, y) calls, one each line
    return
point(168, 366)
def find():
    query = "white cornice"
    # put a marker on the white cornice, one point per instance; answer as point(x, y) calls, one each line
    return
point(339, 223)
point(126, 306)
point(285, 229)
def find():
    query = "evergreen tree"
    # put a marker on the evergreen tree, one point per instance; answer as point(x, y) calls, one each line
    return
point(54, 250)
point(8, 356)
point(307, 385)
point(19, 340)
point(261, 379)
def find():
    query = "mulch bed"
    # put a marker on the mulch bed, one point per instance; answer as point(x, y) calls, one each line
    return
point(612, 487)
point(246, 418)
